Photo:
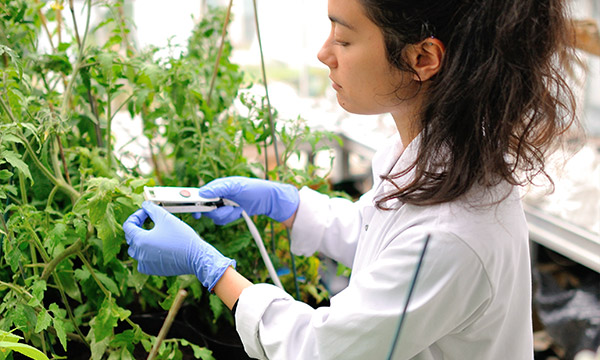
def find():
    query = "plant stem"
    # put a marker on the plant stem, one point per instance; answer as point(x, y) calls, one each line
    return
point(274, 138)
point(64, 161)
point(68, 307)
point(220, 53)
point(37, 242)
point(51, 196)
point(51, 266)
point(45, 26)
point(109, 118)
point(80, 56)
point(72, 8)
point(164, 330)
point(91, 270)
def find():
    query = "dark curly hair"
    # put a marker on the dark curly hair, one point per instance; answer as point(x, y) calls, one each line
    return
point(499, 100)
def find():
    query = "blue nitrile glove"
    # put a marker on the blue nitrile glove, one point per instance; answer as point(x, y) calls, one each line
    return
point(172, 247)
point(258, 197)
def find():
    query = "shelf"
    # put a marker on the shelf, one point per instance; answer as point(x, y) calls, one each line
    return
point(556, 234)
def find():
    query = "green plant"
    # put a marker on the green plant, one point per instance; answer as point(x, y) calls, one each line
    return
point(65, 277)
point(10, 342)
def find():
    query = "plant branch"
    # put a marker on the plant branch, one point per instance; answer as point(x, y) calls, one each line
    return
point(220, 53)
point(68, 307)
point(51, 266)
point(62, 156)
point(92, 272)
point(80, 56)
point(164, 330)
point(45, 26)
point(109, 118)
point(72, 8)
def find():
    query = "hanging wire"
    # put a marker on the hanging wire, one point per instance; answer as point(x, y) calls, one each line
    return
point(410, 292)
point(274, 139)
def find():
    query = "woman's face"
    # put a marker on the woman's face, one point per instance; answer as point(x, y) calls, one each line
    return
point(365, 82)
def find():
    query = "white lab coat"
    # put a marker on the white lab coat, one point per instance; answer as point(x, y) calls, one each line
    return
point(472, 299)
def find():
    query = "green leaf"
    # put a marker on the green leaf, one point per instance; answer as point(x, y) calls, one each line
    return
point(106, 63)
point(15, 160)
point(107, 282)
point(38, 289)
point(5, 175)
point(105, 321)
point(201, 352)
point(43, 321)
point(216, 305)
point(82, 274)
point(98, 348)
point(137, 279)
point(24, 349)
point(70, 285)
point(59, 326)
point(110, 232)
point(11, 138)
point(8, 336)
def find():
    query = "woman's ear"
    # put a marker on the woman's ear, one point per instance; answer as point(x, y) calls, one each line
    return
point(426, 58)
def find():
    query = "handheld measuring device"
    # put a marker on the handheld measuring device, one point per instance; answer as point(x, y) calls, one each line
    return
point(181, 199)
point(186, 200)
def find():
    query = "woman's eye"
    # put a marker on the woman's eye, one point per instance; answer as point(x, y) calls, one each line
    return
point(340, 43)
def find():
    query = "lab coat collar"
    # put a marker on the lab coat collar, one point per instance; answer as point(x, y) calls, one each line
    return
point(393, 159)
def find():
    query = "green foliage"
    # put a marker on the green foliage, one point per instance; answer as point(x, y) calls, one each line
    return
point(10, 342)
point(65, 275)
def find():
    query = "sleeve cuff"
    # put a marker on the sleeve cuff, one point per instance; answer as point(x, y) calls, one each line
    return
point(251, 306)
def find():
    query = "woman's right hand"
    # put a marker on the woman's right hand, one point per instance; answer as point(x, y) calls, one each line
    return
point(257, 197)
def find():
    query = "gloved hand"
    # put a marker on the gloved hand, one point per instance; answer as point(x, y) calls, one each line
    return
point(258, 197)
point(172, 247)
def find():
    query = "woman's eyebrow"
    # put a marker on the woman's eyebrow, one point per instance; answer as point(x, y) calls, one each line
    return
point(341, 22)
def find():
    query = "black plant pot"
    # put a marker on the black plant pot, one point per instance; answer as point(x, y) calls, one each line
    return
point(191, 326)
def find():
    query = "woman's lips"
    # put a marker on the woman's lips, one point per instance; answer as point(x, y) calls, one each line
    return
point(335, 85)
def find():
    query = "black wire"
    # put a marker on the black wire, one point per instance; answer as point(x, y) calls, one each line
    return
point(412, 288)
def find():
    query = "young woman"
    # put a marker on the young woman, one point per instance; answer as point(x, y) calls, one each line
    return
point(475, 91)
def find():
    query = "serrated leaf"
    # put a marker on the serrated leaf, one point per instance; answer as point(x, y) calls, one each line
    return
point(59, 326)
point(24, 349)
point(107, 282)
point(201, 352)
point(98, 348)
point(105, 321)
point(82, 274)
point(43, 321)
point(38, 289)
point(110, 232)
point(15, 160)
point(55, 237)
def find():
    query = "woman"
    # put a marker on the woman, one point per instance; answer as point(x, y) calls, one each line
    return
point(476, 95)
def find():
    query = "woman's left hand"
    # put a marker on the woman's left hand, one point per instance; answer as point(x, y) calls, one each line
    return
point(172, 247)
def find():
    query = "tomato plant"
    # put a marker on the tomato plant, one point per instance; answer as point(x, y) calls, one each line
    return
point(65, 277)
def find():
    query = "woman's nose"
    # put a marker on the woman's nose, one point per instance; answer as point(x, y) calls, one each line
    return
point(326, 55)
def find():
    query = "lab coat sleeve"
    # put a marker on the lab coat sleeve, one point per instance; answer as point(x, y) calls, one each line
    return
point(451, 292)
point(330, 226)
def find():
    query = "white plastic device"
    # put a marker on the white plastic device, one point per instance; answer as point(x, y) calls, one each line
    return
point(181, 199)
point(186, 200)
